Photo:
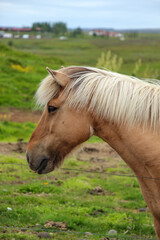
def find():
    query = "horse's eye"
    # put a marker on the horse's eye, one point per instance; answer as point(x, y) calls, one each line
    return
point(52, 109)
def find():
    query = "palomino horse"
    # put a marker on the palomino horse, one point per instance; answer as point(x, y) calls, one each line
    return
point(124, 111)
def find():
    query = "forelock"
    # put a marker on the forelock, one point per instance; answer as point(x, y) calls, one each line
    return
point(47, 90)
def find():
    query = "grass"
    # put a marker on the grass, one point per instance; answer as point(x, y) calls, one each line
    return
point(23, 64)
point(13, 131)
point(86, 51)
point(66, 196)
point(20, 74)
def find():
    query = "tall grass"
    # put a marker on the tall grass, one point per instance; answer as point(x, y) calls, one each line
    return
point(110, 61)
point(114, 63)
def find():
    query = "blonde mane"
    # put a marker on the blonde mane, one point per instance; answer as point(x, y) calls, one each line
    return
point(112, 96)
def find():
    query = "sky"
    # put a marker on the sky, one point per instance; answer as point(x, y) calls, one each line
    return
point(117, 14)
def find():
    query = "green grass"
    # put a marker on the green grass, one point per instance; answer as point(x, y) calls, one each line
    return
point(85, 51)
point(13, 131)
point(23, 65)
point(20, 75)
point(66, 196)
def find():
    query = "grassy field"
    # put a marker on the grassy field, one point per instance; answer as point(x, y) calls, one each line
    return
point(85, 51)
point(65, 195)
point(84, 201)
point(12, 131)
point(23, 64)
point(20, 74)
point(71, 197)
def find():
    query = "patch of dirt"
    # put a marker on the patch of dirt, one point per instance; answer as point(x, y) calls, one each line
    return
point(100, 155)
point(60, 225)
point(97, 191)
point(16, 115)
point(97, 212)
point(95, 152)
point(8, 148)
point(100, 191)
point(92, 152)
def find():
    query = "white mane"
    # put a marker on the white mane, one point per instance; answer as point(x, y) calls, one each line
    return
point(112, 96)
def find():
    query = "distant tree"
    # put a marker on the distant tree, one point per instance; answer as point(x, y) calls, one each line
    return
point(94, 34)
point(41, 26)
point(76, 32)
point(59, 28)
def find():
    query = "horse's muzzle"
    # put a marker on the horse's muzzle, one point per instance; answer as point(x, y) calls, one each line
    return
point(39, 165)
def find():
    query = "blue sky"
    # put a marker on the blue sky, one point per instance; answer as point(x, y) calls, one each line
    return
point(119, 14)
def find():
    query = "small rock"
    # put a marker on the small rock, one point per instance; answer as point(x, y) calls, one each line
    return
point(44, 235)
point(112, 232)
point(5, 190)
point(97, 191)
point(38, 225)
point(142, 210)
point(88, 234)
point(89, 149)
point(9, 209)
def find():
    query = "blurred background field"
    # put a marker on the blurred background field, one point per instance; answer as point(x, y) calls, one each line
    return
point(85, 202)
point(23, 65)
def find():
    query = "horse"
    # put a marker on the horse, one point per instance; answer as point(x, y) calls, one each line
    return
point(124, 111)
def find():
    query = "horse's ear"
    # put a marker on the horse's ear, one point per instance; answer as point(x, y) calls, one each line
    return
point(57, 77)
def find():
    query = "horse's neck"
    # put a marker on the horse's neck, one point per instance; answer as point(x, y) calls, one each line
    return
point(137, 147)
point(141, 151)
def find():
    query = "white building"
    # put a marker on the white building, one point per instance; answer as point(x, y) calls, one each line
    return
point(7, 35)
point(38, 36)
point(25, 36)
point(63, 38)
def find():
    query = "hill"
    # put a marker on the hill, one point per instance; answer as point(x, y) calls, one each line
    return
point(20, 74)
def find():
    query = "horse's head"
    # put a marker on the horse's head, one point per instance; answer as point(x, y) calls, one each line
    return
point(61, 127)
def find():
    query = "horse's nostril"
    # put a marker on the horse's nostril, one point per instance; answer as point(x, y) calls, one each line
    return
point(27, 155)
point(42, 165)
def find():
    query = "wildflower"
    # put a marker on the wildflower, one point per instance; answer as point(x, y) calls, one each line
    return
point(19, 68)
point(45, 183)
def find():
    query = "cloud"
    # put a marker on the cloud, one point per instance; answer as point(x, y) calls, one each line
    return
point(84, 13)
point(15, 9)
